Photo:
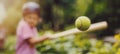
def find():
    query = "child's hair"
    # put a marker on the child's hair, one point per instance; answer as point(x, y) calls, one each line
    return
point(31, 7)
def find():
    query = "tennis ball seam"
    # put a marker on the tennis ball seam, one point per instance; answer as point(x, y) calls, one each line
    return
point(81, 24)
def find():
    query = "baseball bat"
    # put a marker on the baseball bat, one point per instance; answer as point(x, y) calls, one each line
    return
point(96, 26)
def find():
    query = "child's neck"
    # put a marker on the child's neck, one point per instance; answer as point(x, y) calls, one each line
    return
point(28, 24)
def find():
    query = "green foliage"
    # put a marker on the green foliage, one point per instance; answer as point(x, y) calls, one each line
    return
point(75, 44)
point(99, 7)
point(82, 7)
point(10, 44)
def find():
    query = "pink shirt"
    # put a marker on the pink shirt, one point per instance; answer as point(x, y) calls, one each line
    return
point(24, 32)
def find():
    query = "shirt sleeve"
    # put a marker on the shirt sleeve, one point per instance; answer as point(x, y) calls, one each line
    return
point(26, 32)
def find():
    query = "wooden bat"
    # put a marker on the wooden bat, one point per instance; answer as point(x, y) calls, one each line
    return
point(93, 27)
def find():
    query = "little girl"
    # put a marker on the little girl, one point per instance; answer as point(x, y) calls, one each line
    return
point(26, 30)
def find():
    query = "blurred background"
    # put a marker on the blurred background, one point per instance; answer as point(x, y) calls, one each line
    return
point(59, 15)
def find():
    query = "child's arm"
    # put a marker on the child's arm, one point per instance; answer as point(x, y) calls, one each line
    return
point(30, 38)
point(36, 40)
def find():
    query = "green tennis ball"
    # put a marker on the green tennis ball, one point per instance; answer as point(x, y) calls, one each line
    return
point(82, 23)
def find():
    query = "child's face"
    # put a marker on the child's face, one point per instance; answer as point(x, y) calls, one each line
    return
point(32, 19)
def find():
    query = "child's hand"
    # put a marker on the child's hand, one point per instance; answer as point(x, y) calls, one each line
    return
point(49, 35)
